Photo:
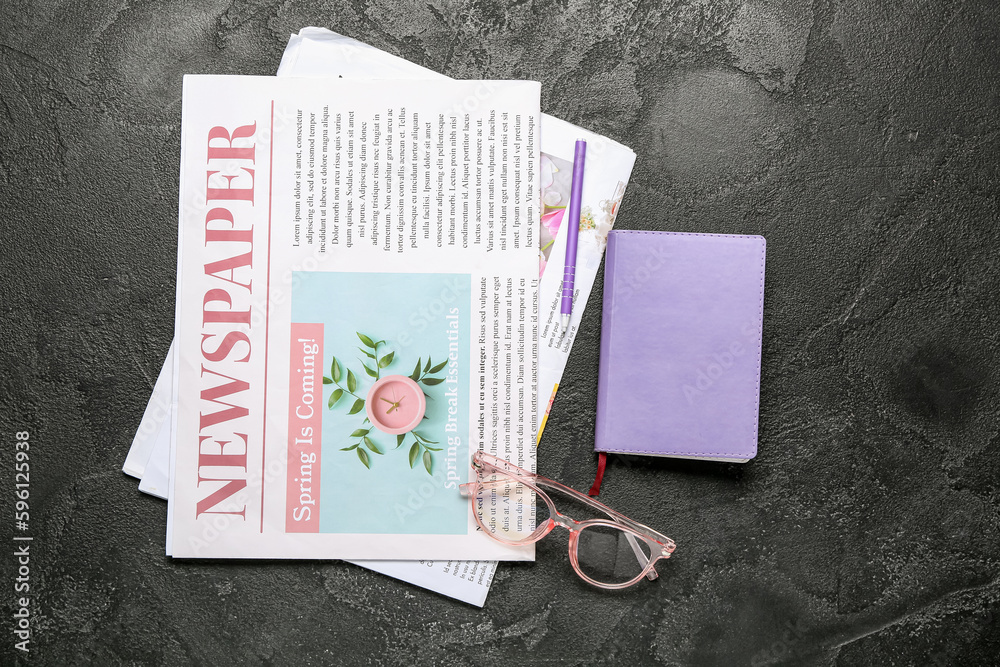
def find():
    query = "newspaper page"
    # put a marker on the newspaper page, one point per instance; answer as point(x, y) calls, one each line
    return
point(332, 380)
point(321, 52)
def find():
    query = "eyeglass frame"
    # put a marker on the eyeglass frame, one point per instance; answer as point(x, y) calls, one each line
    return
point(660, 546)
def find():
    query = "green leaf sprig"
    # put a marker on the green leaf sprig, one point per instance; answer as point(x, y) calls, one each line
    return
point(336, 374)
point(422, 373)
point(362, 433)
point(420, 450)
point(377, 362)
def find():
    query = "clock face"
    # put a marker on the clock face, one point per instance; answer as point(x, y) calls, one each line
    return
point(395, 404)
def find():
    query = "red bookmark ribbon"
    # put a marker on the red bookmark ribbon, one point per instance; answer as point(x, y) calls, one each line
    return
point(602, 462)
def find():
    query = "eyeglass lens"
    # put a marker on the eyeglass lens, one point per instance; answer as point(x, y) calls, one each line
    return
point(509, 509)
point(608, 556)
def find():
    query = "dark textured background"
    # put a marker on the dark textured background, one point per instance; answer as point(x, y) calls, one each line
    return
point(860, 138)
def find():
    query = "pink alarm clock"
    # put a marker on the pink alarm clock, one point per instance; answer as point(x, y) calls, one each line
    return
point(395, 404)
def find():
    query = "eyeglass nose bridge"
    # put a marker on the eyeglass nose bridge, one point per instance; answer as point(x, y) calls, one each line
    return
point(569, 523)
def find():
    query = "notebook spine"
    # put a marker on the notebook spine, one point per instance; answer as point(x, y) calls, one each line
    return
point(604, 364)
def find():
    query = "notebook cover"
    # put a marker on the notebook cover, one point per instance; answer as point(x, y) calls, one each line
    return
point(681, 345)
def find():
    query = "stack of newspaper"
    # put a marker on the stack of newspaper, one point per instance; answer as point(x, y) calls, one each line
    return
point(362, 303)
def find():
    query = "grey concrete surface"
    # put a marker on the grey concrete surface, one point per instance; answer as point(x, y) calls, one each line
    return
point(860, 138)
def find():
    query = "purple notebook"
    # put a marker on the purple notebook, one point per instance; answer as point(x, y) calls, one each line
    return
point(680, 345)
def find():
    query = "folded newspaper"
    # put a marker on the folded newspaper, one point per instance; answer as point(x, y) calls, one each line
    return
point(318, 52)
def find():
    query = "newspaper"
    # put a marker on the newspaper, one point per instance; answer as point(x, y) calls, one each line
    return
point(319, 52)
point(356, 314)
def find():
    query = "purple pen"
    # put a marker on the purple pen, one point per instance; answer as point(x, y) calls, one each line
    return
point(572, 232)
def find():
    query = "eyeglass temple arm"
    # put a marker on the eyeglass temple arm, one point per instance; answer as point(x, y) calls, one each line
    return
point(651, 575)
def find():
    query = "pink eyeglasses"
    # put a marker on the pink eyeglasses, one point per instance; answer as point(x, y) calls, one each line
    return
point(611, 551)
